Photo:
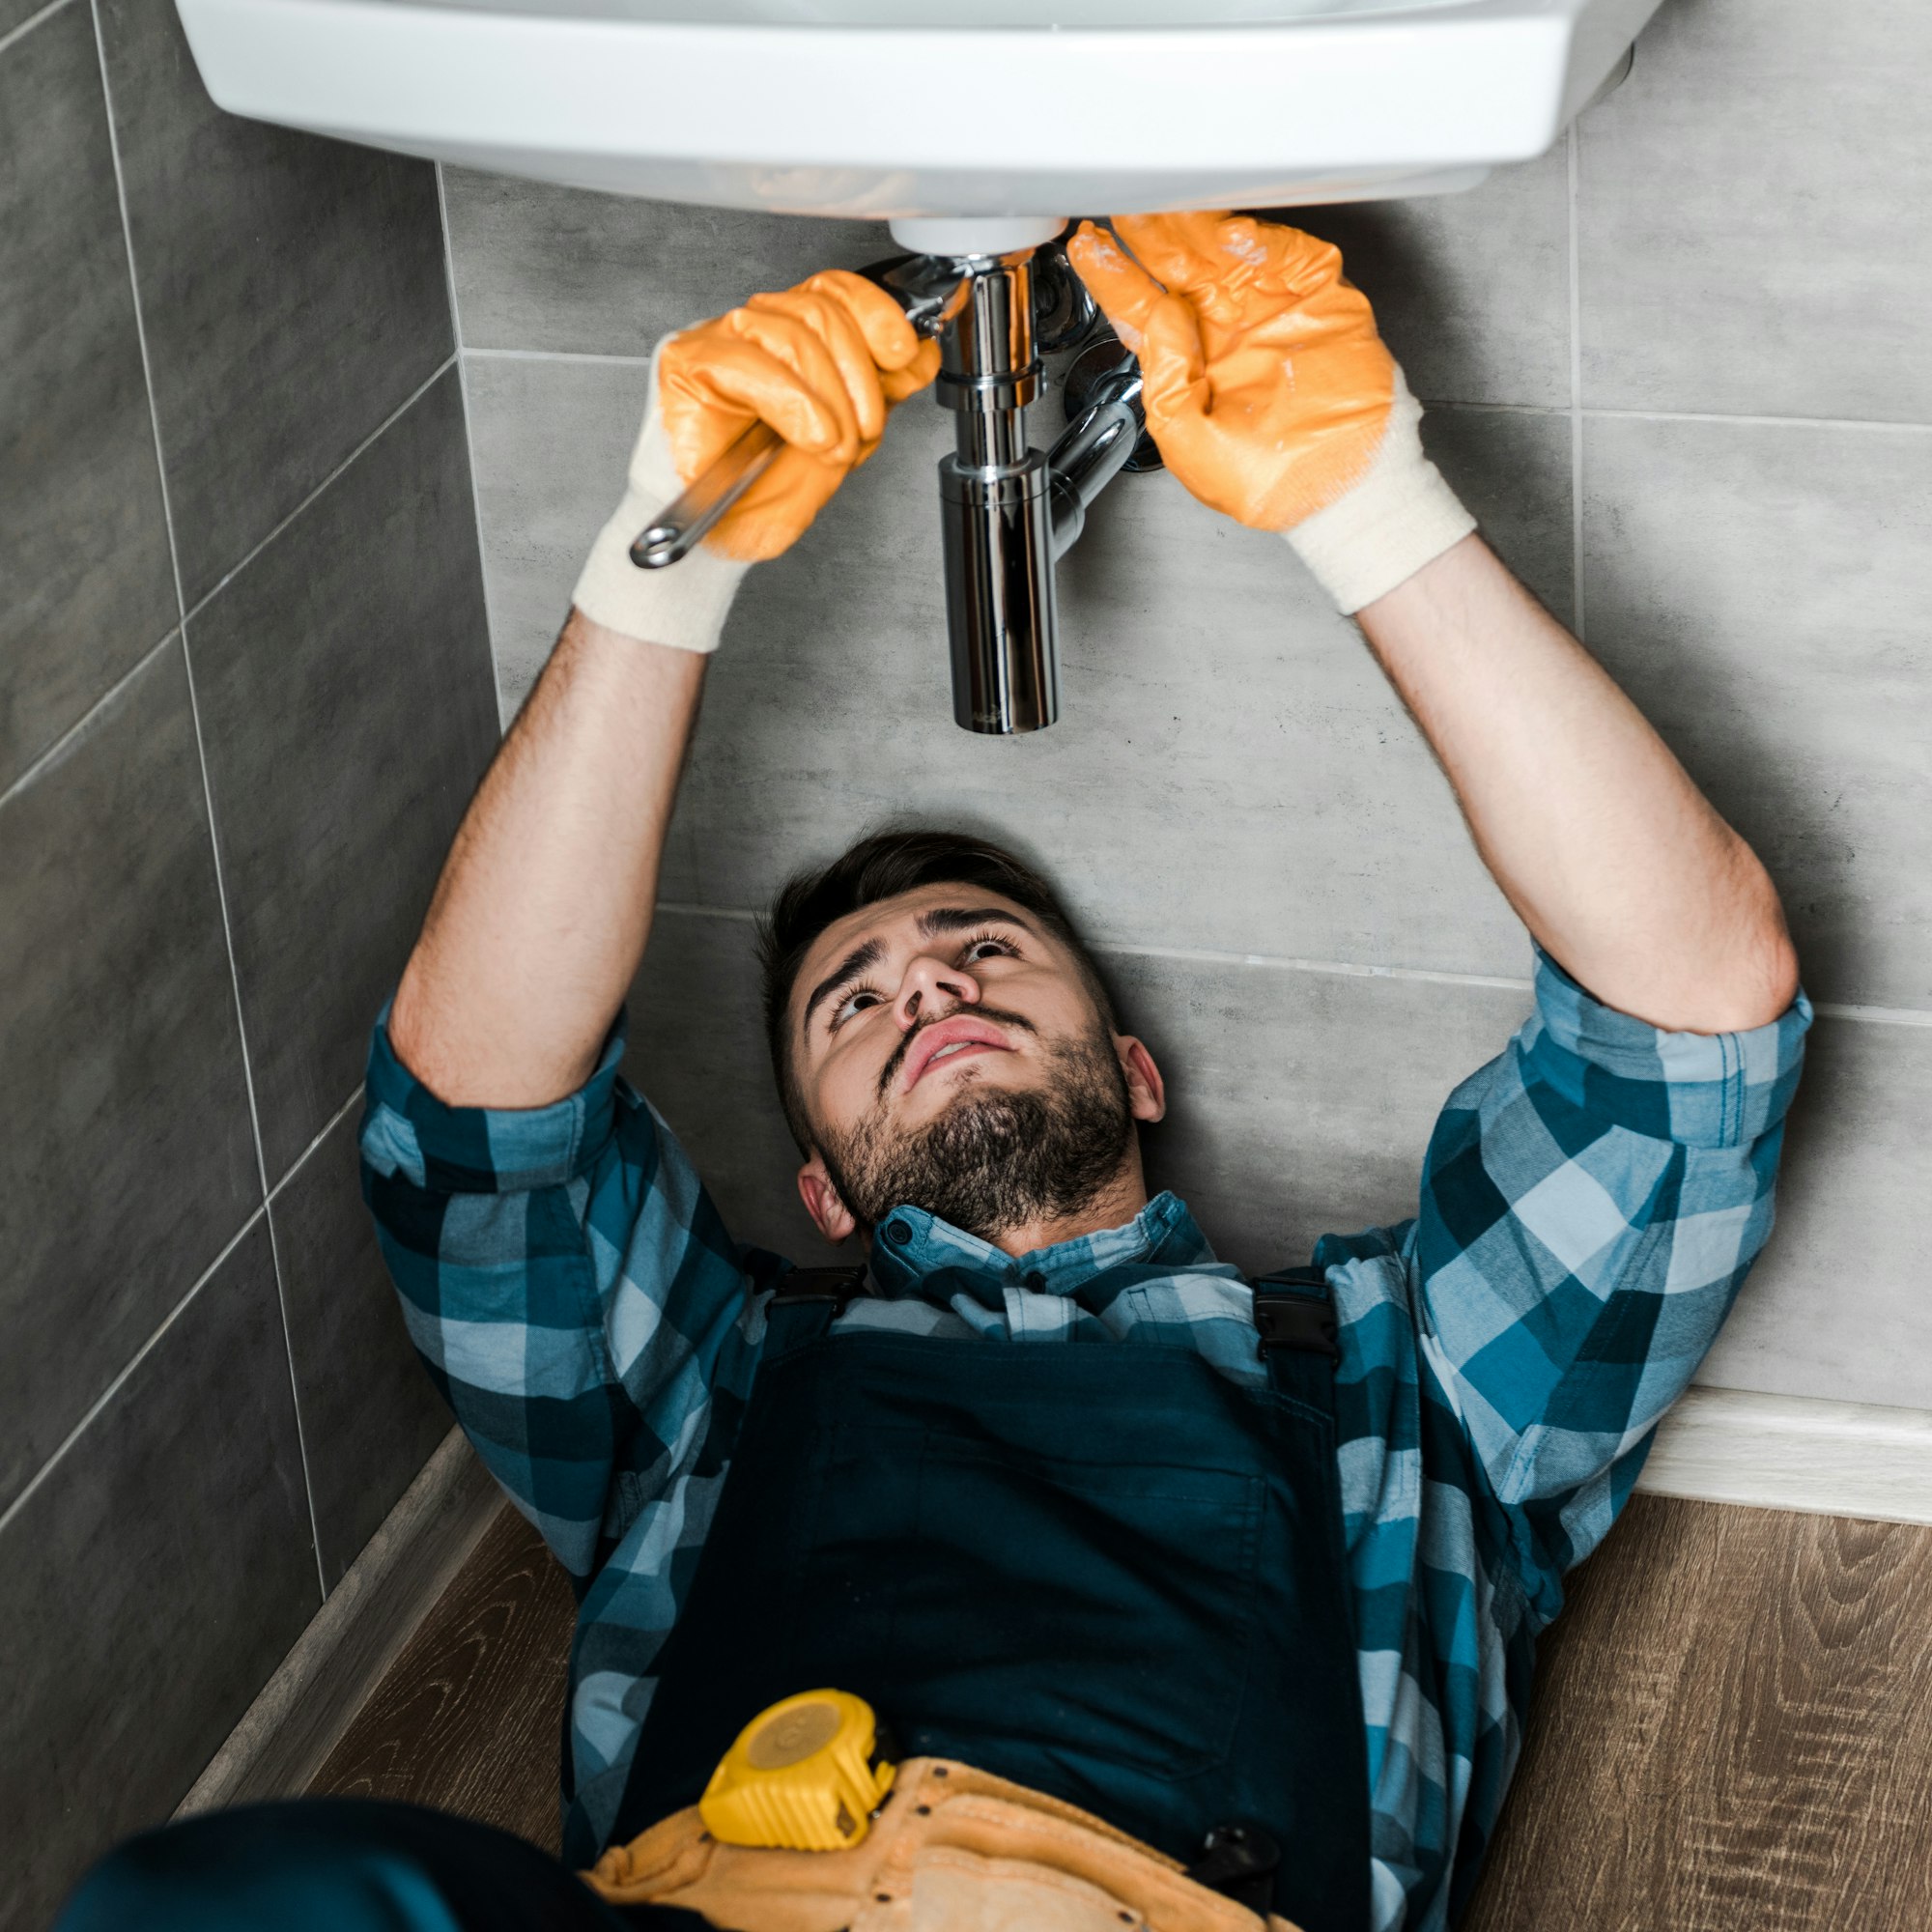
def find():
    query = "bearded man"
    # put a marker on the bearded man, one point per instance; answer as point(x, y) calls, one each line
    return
point(1189, 1600)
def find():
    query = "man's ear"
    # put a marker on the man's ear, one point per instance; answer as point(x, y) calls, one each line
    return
point(1146, 1091)
point(829, 1213)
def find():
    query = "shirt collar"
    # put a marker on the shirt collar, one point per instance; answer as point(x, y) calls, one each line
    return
point(912, 1246)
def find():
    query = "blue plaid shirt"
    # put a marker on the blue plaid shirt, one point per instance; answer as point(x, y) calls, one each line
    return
point(1590, 1203)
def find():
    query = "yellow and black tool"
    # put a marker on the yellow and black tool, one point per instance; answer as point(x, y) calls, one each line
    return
point(804, 1775)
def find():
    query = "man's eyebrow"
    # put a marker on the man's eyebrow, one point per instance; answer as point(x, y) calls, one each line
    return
point(956, 919)
point(861, 957)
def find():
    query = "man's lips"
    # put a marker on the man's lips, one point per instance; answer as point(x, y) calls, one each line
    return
point(963, 1031)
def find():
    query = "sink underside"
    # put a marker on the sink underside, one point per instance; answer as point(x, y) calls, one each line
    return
point(905, 107)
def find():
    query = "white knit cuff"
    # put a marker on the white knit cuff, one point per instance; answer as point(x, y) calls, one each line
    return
point(1401, 516)
point(684, 603)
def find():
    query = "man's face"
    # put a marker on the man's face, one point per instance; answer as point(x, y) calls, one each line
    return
point(950, 1055)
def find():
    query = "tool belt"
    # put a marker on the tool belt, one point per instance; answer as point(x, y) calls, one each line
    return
point(951, 1850)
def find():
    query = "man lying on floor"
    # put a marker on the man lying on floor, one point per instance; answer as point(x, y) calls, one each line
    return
point(1231, 1612)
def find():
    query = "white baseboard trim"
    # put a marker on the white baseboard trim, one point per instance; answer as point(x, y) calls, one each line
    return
point(1795, 1453)
point(287, 1733)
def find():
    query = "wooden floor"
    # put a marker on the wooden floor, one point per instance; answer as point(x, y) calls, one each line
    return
point(1734, 1726)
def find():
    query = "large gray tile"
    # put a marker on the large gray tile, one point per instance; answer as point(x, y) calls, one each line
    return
point(1230, 770)
point(371, 1417)
point(1471, 290)
point(1754, 229)
point(1230, 765)
point(551, 443)
point(697, 1049)
point(1838, 1307)
point(348, 708)
point(127, 1158)
point(538, 266)
point(83, 543)
point(1762, 592)
point(1301, 1103)
point(150, 1586)
point(293, 291)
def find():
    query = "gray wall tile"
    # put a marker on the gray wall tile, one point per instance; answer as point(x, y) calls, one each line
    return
point(1301, 1103)
point(154, 1578)
point(1838, 1307)
point(1471, 290)
point(14, 12)
point(1762, 592)
point(347, 706)
point(552, 441)
point(127, 1158)
point(371, 1417)
point(1755, 232)
point(1206, 681)
point(293, 291)
point(538, 266)
point(83, 543)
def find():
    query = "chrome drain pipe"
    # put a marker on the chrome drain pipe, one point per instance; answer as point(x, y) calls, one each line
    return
point(1007, 510)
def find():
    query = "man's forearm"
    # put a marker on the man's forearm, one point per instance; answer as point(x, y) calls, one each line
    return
point(1611, 855)
point(540, 918)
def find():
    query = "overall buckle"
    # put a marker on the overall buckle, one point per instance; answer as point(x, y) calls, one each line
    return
point(836, 1285)
point(1294, 1310)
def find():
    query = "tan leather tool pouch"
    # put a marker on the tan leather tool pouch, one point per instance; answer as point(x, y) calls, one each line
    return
point(951, 1850)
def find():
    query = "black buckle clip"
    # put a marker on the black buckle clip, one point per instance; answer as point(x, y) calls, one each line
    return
point(1292, 1310)
point(1239, 1862)
point(836, 1285)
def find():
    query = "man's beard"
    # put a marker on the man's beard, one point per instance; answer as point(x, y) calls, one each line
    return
point(996, 1160)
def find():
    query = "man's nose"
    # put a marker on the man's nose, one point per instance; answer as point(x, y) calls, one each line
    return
point(931, 985)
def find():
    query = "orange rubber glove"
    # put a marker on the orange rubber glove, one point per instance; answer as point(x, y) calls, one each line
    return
point(1271, 396)
point(823, 364)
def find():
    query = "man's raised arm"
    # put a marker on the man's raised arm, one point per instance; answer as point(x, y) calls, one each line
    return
point(544, 907)
point(1618, 864)
point(1273, 399)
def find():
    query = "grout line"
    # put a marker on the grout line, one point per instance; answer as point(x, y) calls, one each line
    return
point(642, 362)
point(394, 417)
point(1282, 962)
point(1347, 969)
point(1438, 403)
point(1576, 620)
point(64, 743)
point(1442, 403)
point(207, 785)
point(690, 910)
point(118, 1382)
point(1833, 1009)
point(335, 1120)
point(1870, 423)
point(28, 25)
point(469, 438)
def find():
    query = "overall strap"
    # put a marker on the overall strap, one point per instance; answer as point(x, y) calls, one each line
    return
point(805, 1303)
point(1294, 1318)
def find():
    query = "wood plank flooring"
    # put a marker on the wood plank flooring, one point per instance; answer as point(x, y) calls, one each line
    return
point(1733, 1728)
point(469, 1718)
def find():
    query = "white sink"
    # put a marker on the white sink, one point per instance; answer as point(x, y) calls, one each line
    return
point(895, 108)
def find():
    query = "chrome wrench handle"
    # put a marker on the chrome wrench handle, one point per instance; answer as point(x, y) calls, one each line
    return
point(681, 526)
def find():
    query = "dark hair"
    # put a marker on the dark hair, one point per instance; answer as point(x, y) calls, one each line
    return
point(881, 867)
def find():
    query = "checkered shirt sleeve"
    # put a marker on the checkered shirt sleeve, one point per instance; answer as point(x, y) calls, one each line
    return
point(1591, 1203)
point(571, 1289)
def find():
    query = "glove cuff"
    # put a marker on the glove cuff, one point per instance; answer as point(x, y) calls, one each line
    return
point(1401, 516)
point(685, 604)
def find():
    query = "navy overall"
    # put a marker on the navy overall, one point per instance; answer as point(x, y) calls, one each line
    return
point(1103, 1571)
